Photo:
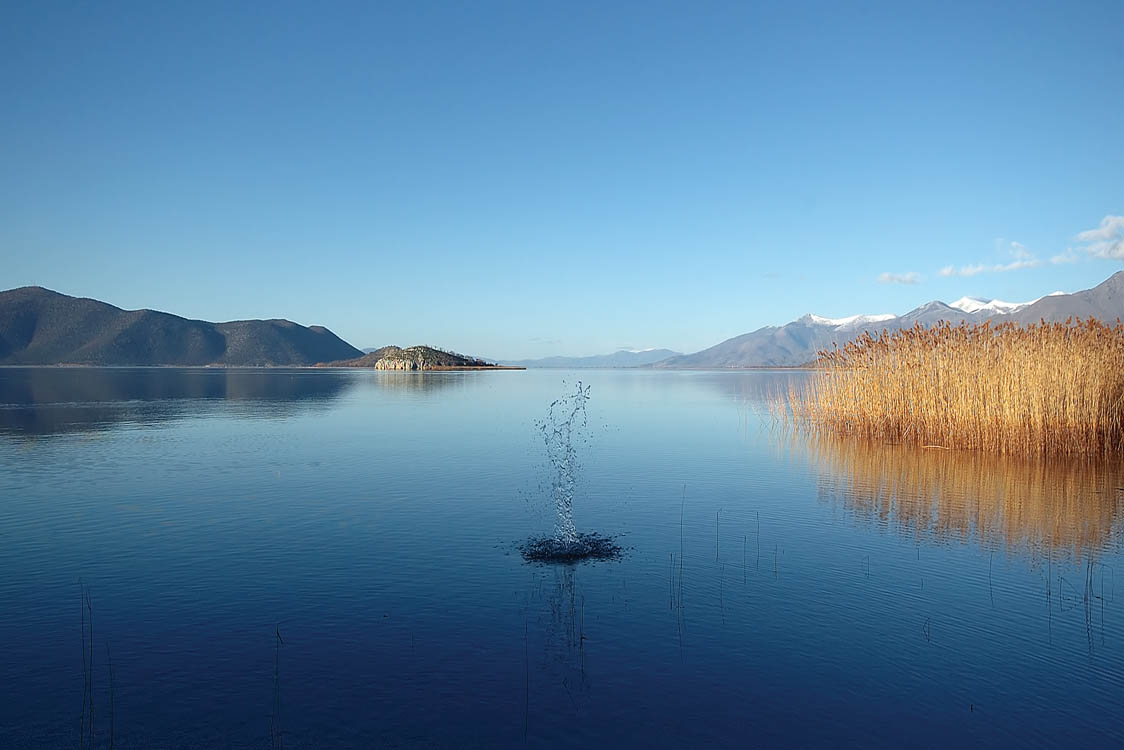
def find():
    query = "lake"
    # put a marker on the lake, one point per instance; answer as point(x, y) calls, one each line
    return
point(330, 559)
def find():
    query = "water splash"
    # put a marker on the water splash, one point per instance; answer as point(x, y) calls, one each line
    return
point(563, 432)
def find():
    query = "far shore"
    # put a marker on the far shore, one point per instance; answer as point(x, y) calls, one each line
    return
point(448, 368)
point(318, 366)
point(454, 367)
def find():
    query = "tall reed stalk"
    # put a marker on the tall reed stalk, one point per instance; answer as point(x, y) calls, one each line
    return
point(1042, 389)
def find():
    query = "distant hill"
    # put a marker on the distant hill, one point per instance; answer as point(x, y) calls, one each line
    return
point(622, 358)
point(415, 358)
point(798, 342)
point(42, 327)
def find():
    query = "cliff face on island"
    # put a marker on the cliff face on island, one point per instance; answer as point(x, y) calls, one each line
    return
point(412, 358)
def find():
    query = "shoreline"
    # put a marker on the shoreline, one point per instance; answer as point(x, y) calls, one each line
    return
point(234, 367)
point(448, 368)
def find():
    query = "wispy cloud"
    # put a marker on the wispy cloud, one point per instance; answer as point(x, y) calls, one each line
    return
point(912, 277)
point(1107, 240)
point(979, 268)
point(1023, 258)
point(1019, 251)
point(1067, 257)
point(962, 271)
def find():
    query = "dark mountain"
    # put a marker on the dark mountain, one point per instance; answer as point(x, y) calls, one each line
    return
point(279, 342)
point(798, 342)
point(41, 327)
point(622, 358)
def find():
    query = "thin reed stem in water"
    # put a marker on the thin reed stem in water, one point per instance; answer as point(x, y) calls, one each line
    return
point(85, 670)
point(758, 540)
point(86, 721)
point(112, 700)
point(526, 681)
point(276, 735)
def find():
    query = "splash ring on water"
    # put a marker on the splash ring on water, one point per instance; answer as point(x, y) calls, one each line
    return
point(586, 546)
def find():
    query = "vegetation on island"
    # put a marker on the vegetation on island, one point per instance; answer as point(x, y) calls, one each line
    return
point(1041, 389)
point(417, 358)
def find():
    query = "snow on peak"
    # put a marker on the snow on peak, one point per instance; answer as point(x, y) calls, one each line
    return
point(996, 306)
point(976, 304)
point(970, 305)
point(851, 320)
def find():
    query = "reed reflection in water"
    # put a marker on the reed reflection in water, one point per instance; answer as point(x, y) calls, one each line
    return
point(1040, 507)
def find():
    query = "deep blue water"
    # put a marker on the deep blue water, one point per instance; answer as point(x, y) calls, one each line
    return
point(776, 590)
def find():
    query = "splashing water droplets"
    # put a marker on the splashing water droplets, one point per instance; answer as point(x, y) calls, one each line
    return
point(563, 431)
point(565, 421)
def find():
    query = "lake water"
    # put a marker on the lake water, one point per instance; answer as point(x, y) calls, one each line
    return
point(774, 590)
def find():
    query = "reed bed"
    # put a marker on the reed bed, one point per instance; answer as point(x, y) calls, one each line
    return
point(1042, 389)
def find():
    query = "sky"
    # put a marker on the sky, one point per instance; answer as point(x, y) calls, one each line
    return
point(521, 179)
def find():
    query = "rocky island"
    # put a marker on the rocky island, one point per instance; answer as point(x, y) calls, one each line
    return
point(417, 358)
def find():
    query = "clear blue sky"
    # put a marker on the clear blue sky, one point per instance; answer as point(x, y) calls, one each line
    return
point(531, 178)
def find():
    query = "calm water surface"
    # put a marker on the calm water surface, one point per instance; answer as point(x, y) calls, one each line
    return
point(776, 590)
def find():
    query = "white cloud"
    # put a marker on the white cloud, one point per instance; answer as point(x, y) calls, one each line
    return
point(1023, 258)
point(964, 270)
point(912, 277)
point(1107, 240)
point(1017, 265)
point(1067, 257)
point(1019, 251)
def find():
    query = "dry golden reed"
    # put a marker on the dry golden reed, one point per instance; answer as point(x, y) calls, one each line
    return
point(1042, 389)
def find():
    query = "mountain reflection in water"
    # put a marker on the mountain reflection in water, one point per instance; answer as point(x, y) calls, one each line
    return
point(48, 401)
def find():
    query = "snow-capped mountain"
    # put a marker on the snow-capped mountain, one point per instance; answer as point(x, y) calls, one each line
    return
point(851, 320)
point(798, 342)
point(976, 304)
point(993, 306)
point(969, 305)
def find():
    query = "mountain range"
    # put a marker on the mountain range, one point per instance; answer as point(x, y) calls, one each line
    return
point(798, 342)
point(621, 358)
point(42, 327)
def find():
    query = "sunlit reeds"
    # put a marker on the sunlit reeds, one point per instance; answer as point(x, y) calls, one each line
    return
point(1042, 389)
